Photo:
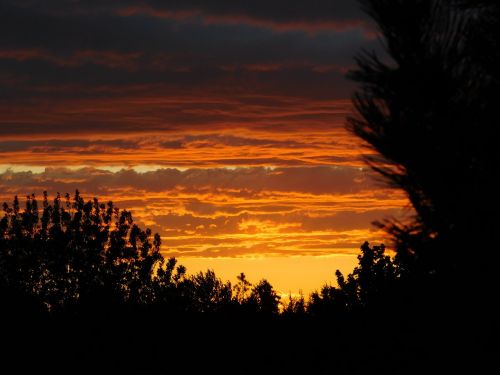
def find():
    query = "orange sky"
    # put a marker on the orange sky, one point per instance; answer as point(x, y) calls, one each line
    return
point(293, 224)
point(221, 126)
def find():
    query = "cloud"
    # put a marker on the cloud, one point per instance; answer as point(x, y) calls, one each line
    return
point(313, 180)
point(76, 49)
point(234, 212)
point(276, 13)
point(180, 132)
point(74, 38)
point(94, 69)
point(133, 112)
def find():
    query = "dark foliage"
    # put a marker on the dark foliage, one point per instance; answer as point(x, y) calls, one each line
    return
point(429, 109)
point(71, 252)
point(372, 282)
point(82, 284)
point(70, 256)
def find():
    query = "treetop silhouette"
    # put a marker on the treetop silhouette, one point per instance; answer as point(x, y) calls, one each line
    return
point(73, 255)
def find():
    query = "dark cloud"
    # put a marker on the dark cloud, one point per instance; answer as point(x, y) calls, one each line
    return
point(314, 180)
point(183, 120)
point(57, 37)
point(64, 145)
point(121, 66)
point(91, 44)
point(299, 222)
point(348, 220)
point(298, 12)
point(175, 142)
point(285, 11)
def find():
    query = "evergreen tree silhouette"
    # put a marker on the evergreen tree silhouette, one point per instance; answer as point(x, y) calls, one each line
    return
point(429, 110)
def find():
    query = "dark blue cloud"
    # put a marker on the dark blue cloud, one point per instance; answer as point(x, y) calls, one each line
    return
point(104, 50)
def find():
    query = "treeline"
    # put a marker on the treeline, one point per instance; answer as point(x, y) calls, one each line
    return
point(68, 256)
point(84, 289)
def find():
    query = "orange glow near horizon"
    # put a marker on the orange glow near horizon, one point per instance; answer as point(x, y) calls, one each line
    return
point(298, 275)
point(271, 223)
point(297, 198)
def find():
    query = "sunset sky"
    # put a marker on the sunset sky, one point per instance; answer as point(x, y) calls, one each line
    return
point(219, 123)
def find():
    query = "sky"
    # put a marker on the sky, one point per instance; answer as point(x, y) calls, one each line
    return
point(220, 124)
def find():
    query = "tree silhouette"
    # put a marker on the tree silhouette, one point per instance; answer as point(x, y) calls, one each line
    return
point(242, 288)
point(428, 108)
point(169, 287)
point(80, 279)
point(75, 252)
point(429, 113)
point(295, 306)
point(71, 256)
point(264, 298)
point(208, 293)
point(370, 285)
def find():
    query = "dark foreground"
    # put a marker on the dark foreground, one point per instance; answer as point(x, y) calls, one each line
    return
point(149, 342)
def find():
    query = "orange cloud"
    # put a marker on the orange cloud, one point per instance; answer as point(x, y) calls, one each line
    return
point(236, 212)
point(182, 132)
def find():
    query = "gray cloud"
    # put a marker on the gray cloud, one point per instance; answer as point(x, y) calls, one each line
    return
point(89, 44)
point(314, 180)
point(275, 11)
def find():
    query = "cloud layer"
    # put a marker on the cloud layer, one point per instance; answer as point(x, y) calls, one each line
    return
point(235, 212)
point(96, 67)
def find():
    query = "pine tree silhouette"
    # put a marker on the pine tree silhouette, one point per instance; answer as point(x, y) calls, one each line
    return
point(429, 113)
